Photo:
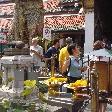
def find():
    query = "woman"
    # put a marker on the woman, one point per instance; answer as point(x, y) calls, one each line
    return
point(72, 63)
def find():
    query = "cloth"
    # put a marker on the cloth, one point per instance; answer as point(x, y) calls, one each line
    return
point(74, 70)
point(63, 56)
point(50, 52)
point(36, 60)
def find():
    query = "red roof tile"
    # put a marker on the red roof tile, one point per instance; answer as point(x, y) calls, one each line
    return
point(71, 22)
point(50, 4)
point(7, 9)
point(5, 23)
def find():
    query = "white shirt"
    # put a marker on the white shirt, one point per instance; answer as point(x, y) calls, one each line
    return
point(36, 59)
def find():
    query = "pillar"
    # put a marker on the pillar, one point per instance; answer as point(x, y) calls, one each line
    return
point(89, 31)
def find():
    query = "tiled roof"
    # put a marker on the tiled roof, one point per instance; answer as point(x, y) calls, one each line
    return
point(50, 4)
point(66, 22)
point(6, 23)
point(7, 9)
point(61, 6)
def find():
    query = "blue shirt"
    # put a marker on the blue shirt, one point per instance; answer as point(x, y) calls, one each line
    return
point(74, 70)
point(50, 52)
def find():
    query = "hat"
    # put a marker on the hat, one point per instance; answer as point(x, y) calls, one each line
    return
point(69, 40)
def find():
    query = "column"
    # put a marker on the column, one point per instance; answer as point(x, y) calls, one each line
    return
point(89, 31)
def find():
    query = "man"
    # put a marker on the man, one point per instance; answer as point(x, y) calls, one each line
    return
point(36, 51)
point(53, 51)
point(64, 55)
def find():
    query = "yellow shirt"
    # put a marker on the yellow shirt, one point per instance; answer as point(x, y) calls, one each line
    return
point(63, 56)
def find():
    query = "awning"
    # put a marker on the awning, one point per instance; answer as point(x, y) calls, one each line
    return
point(101, 52)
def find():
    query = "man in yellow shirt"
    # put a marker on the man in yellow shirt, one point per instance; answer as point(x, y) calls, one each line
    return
point(64, 55)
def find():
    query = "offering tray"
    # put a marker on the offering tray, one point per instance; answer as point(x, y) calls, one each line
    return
point(79, 84)
point(55, 81)
point(76, 88)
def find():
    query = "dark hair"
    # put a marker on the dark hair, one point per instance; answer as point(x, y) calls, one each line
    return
point(98, 45)
point(69, 41)
point(55, 41)
point(70, 48)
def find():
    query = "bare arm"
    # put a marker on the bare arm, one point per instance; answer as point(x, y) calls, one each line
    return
point(37, 54)
point(83, 68)
point(65, 66)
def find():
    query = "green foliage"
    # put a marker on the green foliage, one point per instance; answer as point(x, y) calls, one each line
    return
point(43, 88)
point(29, 85)
point(10, 79)
point(26, 92)
point(18, 110)
point(2, 109)
point(6, 103)
point(1, 74)
point(31, 107)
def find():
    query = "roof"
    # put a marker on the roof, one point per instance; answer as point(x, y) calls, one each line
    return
point(6, 23)
point(50, 4)
point(65, 22)
point(7, 9)
point(6, 16)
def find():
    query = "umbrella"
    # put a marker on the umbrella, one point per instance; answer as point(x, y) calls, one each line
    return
point(102, 52)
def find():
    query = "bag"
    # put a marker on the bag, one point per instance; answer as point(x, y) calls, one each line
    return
point(66, 72)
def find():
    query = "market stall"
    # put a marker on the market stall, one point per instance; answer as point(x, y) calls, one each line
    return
point(100, 78)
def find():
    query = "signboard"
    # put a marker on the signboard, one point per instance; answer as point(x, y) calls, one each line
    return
point(47, 33)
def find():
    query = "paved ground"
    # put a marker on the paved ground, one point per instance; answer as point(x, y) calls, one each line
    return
point(108, 109)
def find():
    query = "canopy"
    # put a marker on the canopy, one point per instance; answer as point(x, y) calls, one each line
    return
point(102, 52)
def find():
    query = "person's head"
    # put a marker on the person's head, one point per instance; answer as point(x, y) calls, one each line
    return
point(35, 41)
point(73, 50)
point(56, 43)
point(69, 41)
point(98, 45)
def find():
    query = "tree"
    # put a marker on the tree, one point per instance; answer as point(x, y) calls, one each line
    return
point(28, 18)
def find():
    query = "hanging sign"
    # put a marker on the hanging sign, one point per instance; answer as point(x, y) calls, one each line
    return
point(47, 33)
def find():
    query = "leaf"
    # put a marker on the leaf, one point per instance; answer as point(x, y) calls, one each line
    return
point(30, 83)
point(26, 92)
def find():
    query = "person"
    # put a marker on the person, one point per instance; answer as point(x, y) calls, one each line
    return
point(64, 55)
point(36, 51)
point(53, 51)
point(106, 43)
point(75, 68)
point(98, 45)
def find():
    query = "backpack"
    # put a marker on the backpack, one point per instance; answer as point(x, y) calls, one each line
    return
point(66, 72)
